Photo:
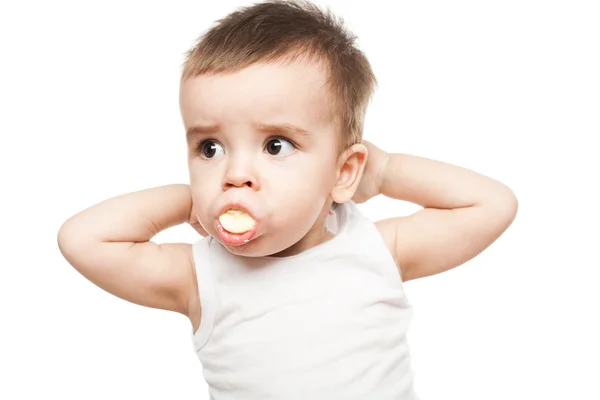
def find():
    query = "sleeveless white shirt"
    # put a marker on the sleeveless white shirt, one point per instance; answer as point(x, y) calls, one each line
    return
point(327, 324)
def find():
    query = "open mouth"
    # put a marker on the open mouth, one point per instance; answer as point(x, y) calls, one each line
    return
point(236, 227)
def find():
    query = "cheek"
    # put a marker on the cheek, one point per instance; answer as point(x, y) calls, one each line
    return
point(301, 193)
point(309, 171)
point(202, 210)
point(203, 193)
point(317, 178)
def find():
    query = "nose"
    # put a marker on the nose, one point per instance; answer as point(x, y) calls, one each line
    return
point(241, 172)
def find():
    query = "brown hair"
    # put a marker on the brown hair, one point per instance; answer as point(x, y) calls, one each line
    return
point(284, 30)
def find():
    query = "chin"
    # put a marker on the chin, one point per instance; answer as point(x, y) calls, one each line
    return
point(250, 249)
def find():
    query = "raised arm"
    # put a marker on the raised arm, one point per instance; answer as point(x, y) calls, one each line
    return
point(109, 243)
point(463, 211)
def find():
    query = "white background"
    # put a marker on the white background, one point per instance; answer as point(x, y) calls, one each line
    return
point(89, 110)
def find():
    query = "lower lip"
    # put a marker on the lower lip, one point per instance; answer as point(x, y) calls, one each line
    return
point(234, 239)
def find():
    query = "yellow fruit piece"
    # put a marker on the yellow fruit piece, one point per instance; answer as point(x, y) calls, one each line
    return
point(236, 221)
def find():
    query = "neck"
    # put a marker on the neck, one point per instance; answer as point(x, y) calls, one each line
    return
point(317, 234)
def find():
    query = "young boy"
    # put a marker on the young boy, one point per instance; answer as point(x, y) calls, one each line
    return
point(292, 293)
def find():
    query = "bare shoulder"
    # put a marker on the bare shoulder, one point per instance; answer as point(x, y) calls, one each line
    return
point(154, 275)
point(388, 230)
point(432, 241)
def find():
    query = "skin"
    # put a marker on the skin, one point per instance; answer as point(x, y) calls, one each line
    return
point(287, 181)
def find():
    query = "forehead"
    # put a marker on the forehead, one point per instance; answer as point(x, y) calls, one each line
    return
point(295, 93)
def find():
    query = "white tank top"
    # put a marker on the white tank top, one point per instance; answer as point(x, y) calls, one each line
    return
point(327, 324)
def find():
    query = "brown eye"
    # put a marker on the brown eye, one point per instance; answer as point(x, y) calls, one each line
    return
point(279, 147)
point(210, 149)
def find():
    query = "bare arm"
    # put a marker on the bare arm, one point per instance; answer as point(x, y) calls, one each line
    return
point(109, 243)
point(463, 212)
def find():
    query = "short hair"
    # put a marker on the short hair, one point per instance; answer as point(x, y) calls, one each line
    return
point(285, 30)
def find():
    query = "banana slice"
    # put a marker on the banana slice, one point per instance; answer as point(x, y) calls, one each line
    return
point(236, 221)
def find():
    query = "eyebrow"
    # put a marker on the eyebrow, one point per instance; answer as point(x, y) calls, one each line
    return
point(201, 130)
point(282, 129)
point(275, 129)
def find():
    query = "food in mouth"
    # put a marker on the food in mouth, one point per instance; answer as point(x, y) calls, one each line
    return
point(236, 221)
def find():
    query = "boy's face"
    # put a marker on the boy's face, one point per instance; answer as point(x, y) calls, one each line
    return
point(263, 140)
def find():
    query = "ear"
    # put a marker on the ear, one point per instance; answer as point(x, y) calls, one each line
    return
point(351, 165)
